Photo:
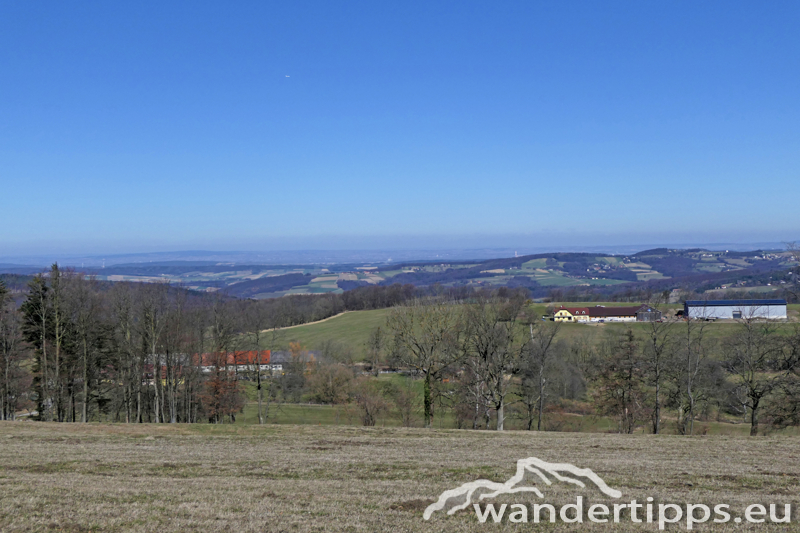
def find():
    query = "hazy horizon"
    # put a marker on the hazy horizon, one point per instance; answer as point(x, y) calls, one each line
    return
point(343, 256)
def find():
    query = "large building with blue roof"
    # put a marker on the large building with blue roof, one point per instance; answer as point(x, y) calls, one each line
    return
point(735, 309)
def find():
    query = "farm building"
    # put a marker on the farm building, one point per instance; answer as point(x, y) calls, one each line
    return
point(735, 309)
point(571, 314)
point(241, 362)
point(599, 313)
point(233, 361)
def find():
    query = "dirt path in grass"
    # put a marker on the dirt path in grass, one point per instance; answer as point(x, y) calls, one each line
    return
point(315, 322)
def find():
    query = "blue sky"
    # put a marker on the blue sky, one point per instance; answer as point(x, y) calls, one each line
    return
point(146, 126)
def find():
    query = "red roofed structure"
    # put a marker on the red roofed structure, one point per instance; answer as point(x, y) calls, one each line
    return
point(244, 360)
point(600, 313)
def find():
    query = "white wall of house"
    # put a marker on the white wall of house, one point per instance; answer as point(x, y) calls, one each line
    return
point(614, 319)
point(242, 368)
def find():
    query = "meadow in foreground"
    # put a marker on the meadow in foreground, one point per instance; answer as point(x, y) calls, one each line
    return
point(70, 477)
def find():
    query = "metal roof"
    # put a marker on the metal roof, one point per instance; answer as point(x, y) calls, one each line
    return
point(727, 303)
point(611, 312)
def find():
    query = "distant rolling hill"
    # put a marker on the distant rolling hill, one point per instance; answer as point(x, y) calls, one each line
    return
point(607, 274)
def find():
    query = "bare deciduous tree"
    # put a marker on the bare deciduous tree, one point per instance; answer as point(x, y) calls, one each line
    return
point(691, 373)
point(760, 361)
point(330, 383)
point(153, 309)
point(493, 346)
point(375, 346)
point(425, 337)
point(260, 327)
point(658, 350)
point(83, 308)
point(405, 399)
point(537, 355)
point(369, 399)
point(15, 378)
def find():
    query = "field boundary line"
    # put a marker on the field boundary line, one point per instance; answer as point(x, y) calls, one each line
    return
point(309, 323)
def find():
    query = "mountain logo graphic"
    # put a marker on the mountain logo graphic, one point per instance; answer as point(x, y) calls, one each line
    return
point(483, 488)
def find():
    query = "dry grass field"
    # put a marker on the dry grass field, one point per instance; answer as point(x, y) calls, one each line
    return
point(282, 478)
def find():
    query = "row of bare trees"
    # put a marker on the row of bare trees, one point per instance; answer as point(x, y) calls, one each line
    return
point(479, 345)
point(79, 350)
point(486, 354)
point(15, 380)
point(750, 372)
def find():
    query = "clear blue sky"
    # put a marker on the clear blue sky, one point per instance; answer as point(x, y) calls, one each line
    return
point(139, 126)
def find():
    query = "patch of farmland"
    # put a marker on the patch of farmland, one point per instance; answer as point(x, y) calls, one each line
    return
point(140, 279)
point(326, 286)
point(323, 289)
point(534, 263)
point(320, 279)
point(605, 281)
point(710, 267)
point(299, 290)
point(737, 262)
point(351, 329)
point(554, 279)
point(255, 276)
point(647, 275)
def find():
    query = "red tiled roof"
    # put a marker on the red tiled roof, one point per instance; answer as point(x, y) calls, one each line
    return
point(233, 358)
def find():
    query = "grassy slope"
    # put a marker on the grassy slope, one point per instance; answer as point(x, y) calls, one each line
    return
point(303, 479)
point(352, 329)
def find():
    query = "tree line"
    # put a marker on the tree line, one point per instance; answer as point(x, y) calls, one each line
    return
point(487, 359)
point(76, 350)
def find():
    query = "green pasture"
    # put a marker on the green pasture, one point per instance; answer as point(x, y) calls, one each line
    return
point(555, 280)
point(351, 329)
point(534, 263)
